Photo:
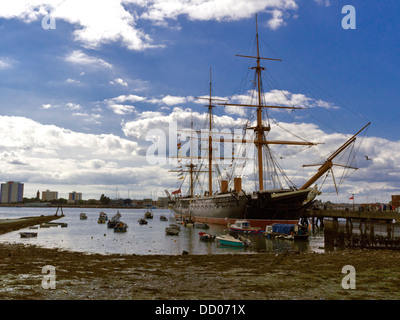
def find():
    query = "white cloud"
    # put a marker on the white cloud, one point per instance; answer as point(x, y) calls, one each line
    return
point(283, 98)
point(46, 106)
point(72, 81)
point(102, 22)
point(6, 63)
point(277, 20)
point(117, 104)
point(130, 98)
point(170, 100)
point(121, 108)
point(120, 82)
point(96, 22)
point(160, 10)
point(73, 106)
point(81, 58)
point(53, 155)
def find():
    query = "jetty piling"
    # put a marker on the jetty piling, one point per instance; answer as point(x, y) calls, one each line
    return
point(365, 229)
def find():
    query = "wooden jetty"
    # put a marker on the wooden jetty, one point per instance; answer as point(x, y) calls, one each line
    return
point(364, 229)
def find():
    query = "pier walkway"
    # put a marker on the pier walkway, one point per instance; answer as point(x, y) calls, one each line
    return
point(373, 215)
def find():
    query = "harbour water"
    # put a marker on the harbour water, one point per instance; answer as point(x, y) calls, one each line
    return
point(91, 237)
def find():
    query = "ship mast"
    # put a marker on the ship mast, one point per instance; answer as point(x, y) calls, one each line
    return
point(210, 106)
point(259, 129)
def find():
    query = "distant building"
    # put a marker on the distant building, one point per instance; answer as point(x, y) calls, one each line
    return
point(74, 197)
point(49, 195)
point(396, 201)
point(12, 192)
point(162, 202)
point(147, 202)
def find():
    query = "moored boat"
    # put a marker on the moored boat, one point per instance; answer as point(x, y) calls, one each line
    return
point(228, 240)
point(206, 236)
point(287, 231)
point(28, 234)
point(82, 216)
point(102, 217)
point(121, 227)
point(174, 225)
point(163, 218)
point(112, 223)
point(243, 226)
point(172, 231)
point(148, 214)
point(142, 221)
point(201, 225)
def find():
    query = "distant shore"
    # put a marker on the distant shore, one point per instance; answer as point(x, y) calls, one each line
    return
point(23, 205)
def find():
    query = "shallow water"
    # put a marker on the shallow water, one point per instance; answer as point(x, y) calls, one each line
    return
point(92, 237)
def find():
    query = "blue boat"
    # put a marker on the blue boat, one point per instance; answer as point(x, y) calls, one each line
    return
point(287, 231)
point(228, 240)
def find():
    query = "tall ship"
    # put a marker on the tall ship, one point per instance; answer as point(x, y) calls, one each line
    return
point(261, 207)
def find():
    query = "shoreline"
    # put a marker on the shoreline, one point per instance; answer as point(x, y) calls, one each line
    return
point(261, 276)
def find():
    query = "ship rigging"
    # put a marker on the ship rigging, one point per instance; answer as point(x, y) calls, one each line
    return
point(262, 206)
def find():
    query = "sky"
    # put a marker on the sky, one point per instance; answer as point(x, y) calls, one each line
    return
point(86, 86)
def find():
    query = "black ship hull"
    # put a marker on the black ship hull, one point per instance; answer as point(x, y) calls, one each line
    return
point(261, 208)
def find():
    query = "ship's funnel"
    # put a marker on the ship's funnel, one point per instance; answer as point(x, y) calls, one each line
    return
point(237, 182)
point(224, 186)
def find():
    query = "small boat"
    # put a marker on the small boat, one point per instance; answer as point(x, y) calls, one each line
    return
point(142, 221)
point(171, 231)
point(112, 223)
point(228, 240)
point(148, 214)
point(173, 225)
point(206, 236)
point(121, 227)
point(34, 227)
point(287, 231)
point(114, 220)
point(28, 234)
point(82, 216)
point(102, 217)
point(45, 225)
point(163, 218)
point(201, 225)
point(243, 226)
